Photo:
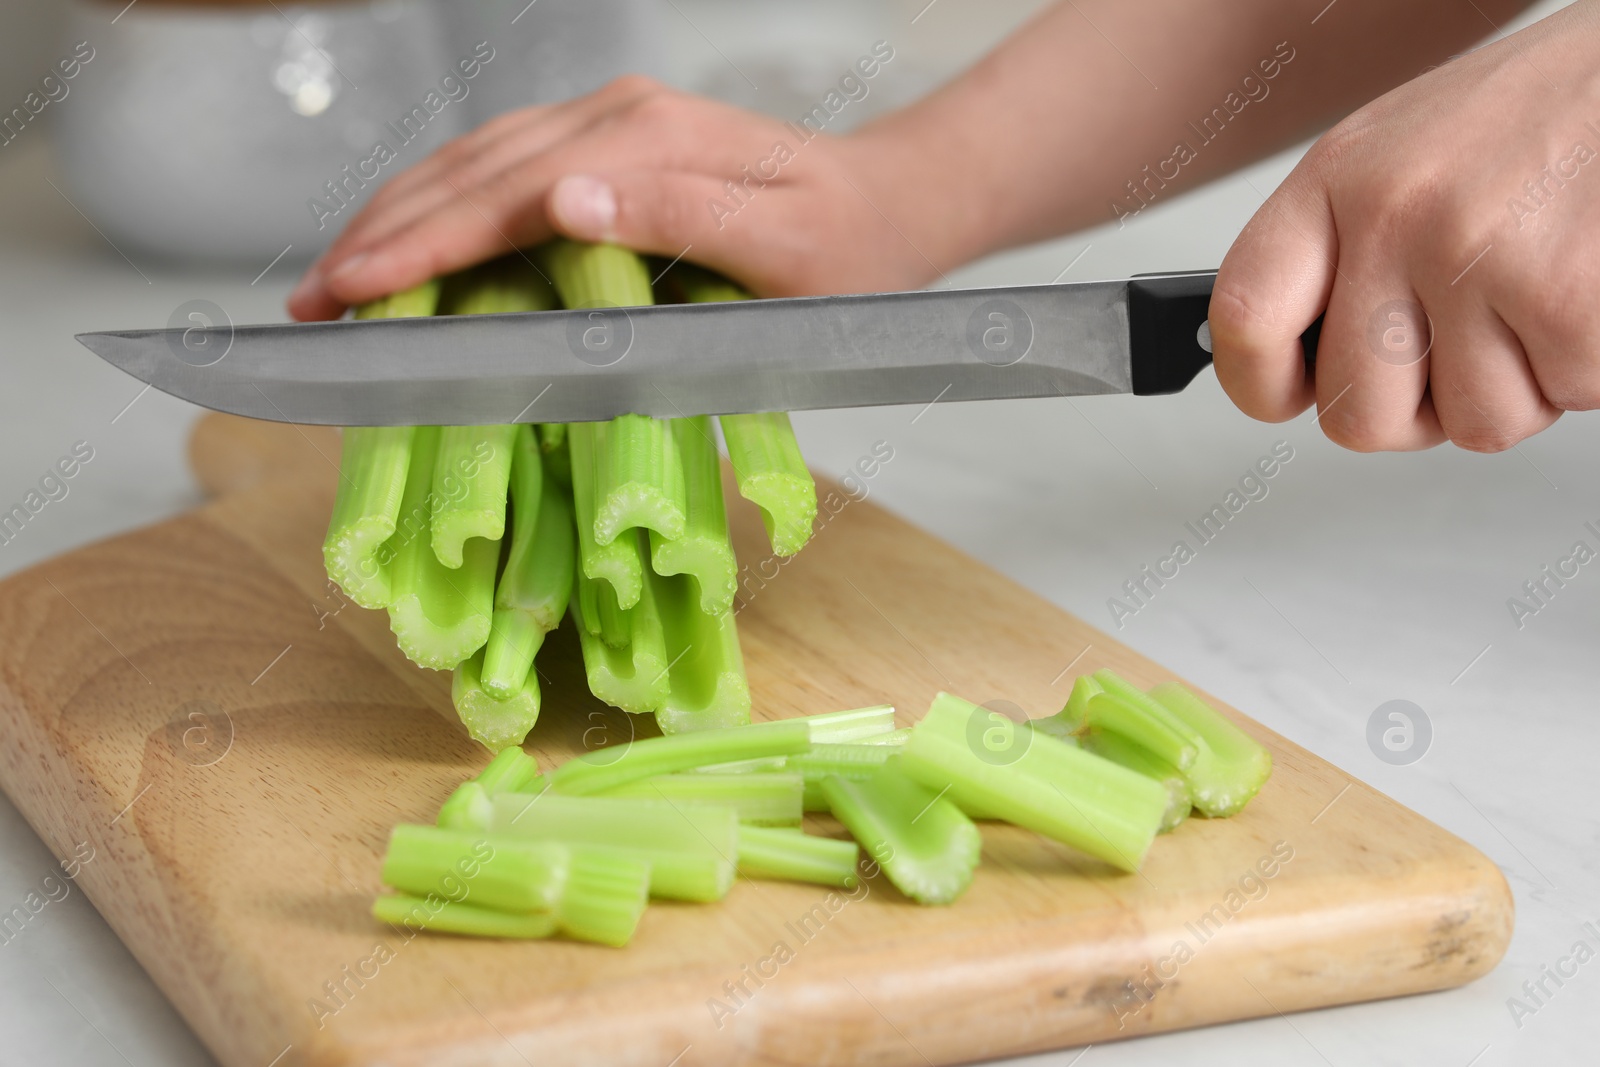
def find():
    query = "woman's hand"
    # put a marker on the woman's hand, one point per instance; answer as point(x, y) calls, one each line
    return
point(648, 167)
point(1451, 229)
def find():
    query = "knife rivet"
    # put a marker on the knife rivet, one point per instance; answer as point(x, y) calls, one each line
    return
point(1203, 335)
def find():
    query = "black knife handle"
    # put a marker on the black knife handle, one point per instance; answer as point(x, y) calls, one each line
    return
point(1165, 316)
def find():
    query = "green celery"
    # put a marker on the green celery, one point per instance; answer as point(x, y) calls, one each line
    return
point(468, 808)
point(922, 841)
point(703, 549)
point(1121, 708)
point(607, 768)
point(1121, 751)
point(828, 760)
point(772, 474)
point(372, 482)
point(439, 616)
point(688, 284)
point(557, 456)
point(706, 684)
point(596, 275)
point(511, 771)
point(852, 726)
point(552, 436)
point(1052, 788)
point(757, 799)
point(492, 872)
point(639, 479)
point(691, 849)
point(797, 857)
point(1232, 767)
point(418, 302)
point(893, 738)
point(1073, 718)
point(494, 723)
point(633, 677)
point(605, 895)
point(444, 916)
point(617, 563)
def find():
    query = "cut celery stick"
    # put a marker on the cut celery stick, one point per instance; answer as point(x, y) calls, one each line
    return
point(605, 895)
point(443, 916)
point(616, 622)
point(797, 857)
point(639, 479)
point(614, 765)
point(407, 304)
point(596, 275)
point(509, 283)
point(536, 584)
point(471, 472)
point(552, 436)
point(691, 848)
point(1121, 751)
point(493, 723)
point(618, 562)
point(1052, 788)
point(1072, 719)
point(757, 799)
point(490, 872)
point(745, 766)
point(1120, 708)
point(372, 483)
point(468, 808)
point(772, 474)
point(634, 676)
point(703, 549)
point(893, 738)
point(863, 725)
point(439, 616)
point(511, 771)
point(688, 284)
point(823, 761)
point(1232, 766)
point(922, 841)
point(706, 685)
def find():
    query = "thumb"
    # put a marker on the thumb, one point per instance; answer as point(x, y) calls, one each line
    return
point(1273, 283)
point(664, 213)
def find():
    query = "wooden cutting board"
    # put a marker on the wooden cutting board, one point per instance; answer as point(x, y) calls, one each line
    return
point(193, 702)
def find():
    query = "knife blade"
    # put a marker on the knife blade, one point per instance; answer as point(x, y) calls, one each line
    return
point(1142, 335)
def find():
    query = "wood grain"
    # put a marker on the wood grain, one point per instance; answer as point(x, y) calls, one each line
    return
point(192, 701)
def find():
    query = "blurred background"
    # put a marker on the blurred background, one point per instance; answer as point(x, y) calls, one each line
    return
point(176, 165)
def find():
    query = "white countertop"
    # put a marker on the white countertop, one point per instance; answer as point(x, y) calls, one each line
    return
point(1357, 580)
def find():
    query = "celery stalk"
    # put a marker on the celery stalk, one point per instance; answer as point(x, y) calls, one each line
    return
point(372, 482)
point(706, 685)
point(691, 848)
point(557, 456)
point(605, 895)
point(892, 738)
point(435, 913)
point(633, 677)
point(639, 479)
point(439, 616)
point(853, 725)
point(1232, 766)
point(1121, 751)
point(596, 275)
point(703, 549)
point(855, 761)
point(1073, 719)
point(1120, 708)
point(494, 723)
point(490, 872)
point(614, 765)
point(468, 808)
point(797, 857)
point(418, 302)
point(757, 799)
point(511, 771)
point(552, 436)
point(1051, 787)
point(618, 562)
point(772, 474)
point(923, 842)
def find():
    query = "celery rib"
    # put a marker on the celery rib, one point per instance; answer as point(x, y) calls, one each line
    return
point(825, 760)
point(758, 799)
point(1121, 751)
point(772, 474)
point(639, 479)
point(706, 684)
point(1121, 708)
point(439, 616)
point(444, 916)
point(922, 841)
point(797, 857)
point(1232, 766)
point(634, 676)
point(493, 722)
point(618, 562)
point(605, 895)
point(489, 872)
point(372, 482)
point(1051, 787)
point(615, 765)
point(703, 549)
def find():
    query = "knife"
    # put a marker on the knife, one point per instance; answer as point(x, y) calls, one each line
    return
point(1144, 335)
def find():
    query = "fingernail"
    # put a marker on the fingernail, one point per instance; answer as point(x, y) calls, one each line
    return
point(350, 267)
point(585, 207)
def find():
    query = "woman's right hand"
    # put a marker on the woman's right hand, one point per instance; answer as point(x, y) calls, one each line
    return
point(648, 167)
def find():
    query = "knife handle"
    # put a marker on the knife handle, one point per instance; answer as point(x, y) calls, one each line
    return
point(1169, 337)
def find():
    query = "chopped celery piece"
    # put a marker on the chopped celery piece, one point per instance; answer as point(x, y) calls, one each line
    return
point(618, 562)
point(470, 475)
point(1051, 787)
point(605, 895)
point(835, 760)
point(407, 304)
point(444, 916)
point(536, 584)
point(468, 808)
point(856, 725)
point(507, 284)
point(1120, 708)
point(703, 549)
point(616, 622)
point(596, 275)
point(639, 479)
point(691, 849)
point(706, 685)
point(633, 677)
point(1073, 718)
point(758, 799)
point(689, 284)
point(772, 474)
point(745, 766)
point(797, 857)
point(511, 771)
point(1232, 766)
point(923, 842)
point(439, 616)
point(552, 436)
point(494, 723)
point(607, 768)
point(1120, 750)
point(892, 738)
point(372, 483)
point(490, 872)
